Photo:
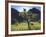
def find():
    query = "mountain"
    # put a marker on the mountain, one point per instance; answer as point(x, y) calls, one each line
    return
point(35, 13)
point(14, 14)
point(35, 10)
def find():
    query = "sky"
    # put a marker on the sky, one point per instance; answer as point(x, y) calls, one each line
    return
point(20, 8)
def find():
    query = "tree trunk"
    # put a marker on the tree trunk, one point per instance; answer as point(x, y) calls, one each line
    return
point(28, 24)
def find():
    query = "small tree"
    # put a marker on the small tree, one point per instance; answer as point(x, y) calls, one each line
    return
point(25, 15)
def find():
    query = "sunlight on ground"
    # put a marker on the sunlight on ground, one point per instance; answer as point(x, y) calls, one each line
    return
point(24, 26)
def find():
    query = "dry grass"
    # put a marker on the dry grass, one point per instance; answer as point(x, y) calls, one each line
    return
point(24, 26)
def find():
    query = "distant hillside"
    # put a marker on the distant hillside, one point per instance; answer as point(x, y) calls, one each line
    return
point(34, 10)
point(14, 14)
point(36, 14)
